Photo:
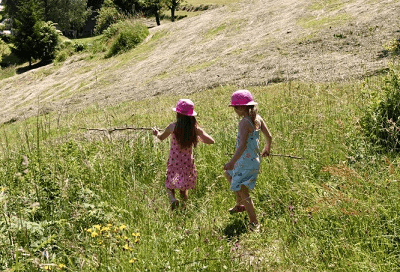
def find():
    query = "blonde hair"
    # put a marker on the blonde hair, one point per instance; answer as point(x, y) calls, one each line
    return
point(253, 113)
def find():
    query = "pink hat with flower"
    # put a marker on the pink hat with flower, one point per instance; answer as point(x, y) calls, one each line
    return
point(185, 107)
point(242, 98)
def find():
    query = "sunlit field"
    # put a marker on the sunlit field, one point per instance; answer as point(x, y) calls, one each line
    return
point(77, 199)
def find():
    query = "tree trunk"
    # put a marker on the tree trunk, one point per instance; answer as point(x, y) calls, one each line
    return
point(157, 14)
point(173, 8)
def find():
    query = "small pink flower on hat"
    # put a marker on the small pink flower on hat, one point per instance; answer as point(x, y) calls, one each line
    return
point(185, 107)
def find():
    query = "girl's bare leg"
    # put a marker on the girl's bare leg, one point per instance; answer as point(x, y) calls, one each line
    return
point(248, 203)
point(174, 201)
point(237, 195)
point(184, 194)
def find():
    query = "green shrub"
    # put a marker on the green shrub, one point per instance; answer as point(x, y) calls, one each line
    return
point(47, 40)
point(108, 15)
point(126, 35)
point(79, 47)
point(61, 56)
point(381, 121)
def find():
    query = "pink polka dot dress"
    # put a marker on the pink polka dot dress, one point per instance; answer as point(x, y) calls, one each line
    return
point(181, 170)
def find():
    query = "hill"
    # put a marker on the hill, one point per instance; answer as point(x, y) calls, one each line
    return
point(253, 42)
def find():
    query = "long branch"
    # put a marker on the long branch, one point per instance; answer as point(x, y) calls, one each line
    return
point(111, 130)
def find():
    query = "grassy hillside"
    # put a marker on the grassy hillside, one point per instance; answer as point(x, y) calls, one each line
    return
point(76, 199)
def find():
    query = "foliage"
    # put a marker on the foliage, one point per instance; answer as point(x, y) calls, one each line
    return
point(3, 48)
point(393, 47)
point(47, 39)
point(381, 119)
point(126, 6)
point(29, 13)
point(79, 46)
point(155, 8)
point(108, 15)
point(125, 35)
point(67, 14)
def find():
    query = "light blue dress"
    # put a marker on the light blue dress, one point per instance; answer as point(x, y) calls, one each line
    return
point(247, 167)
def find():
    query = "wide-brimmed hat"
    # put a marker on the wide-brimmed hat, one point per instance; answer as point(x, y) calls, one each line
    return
point(185, 107)
point(242, 98)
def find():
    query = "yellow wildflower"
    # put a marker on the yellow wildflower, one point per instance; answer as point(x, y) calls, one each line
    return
point(132, 261)
point(125, 238)
point(61, 266)
point(116, 229)
point(105, 229)
point(125, 247)
point(109, 225)
point(136, 234)
point(122, 227)
point(47, 267)
point(89, 230)
point(137, 241)
point(98, 227)
point(94, 234)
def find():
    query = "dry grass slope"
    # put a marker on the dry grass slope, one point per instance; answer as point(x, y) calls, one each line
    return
point(253, 42)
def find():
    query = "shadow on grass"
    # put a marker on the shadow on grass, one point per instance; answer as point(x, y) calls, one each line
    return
point(24, 69)
point(236, 227)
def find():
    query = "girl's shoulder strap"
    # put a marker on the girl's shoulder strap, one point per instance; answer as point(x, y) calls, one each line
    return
point(249, 120)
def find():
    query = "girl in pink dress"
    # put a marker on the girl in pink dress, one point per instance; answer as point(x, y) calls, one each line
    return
point(185, 134)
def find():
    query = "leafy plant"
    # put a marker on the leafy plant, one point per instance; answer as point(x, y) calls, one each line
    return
point(108, 15)
point(125, 36)
point(381, 121)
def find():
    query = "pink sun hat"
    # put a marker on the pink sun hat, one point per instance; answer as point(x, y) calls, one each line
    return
point(242, 98)
point(185, 107)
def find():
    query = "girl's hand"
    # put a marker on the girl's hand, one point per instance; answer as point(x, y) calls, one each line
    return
point(265, 152)
point(229, 166)
point(155, 131)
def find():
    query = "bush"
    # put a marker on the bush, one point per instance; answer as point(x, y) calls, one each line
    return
point(126, 35)
point(381, 122)
point(47, 39)
point(108, 15)
point(79, 47)
point(61, 56)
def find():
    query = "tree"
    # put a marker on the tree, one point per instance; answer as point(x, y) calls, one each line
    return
point(68, 14)
point(155, 7)
point(34, 39)
point(46, 38)
point(27, 15)
point(173, 5)
point(108, 15)
point(95, 4)
point(128, 6)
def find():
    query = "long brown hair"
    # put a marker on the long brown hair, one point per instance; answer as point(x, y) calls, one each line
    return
point(185, 130)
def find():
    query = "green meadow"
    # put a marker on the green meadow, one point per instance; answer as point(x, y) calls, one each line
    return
point(75, 199)
point(76, 194)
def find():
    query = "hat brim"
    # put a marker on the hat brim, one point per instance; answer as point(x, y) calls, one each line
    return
point(187, 114)
point(251, 103)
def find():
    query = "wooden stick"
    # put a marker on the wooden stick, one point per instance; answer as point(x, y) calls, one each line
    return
point(287, 156)
point(278, 155)
point(110, 130)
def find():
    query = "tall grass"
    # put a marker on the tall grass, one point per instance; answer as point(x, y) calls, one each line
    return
point(335, 209)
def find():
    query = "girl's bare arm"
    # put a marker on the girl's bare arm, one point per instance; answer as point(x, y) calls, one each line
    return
point(268, 137)
point(204, 137)
point(167, 131)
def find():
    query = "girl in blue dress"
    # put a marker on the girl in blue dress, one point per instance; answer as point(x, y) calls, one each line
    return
point(242, 170)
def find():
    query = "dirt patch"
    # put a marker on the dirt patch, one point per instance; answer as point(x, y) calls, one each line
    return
point(254, 42)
